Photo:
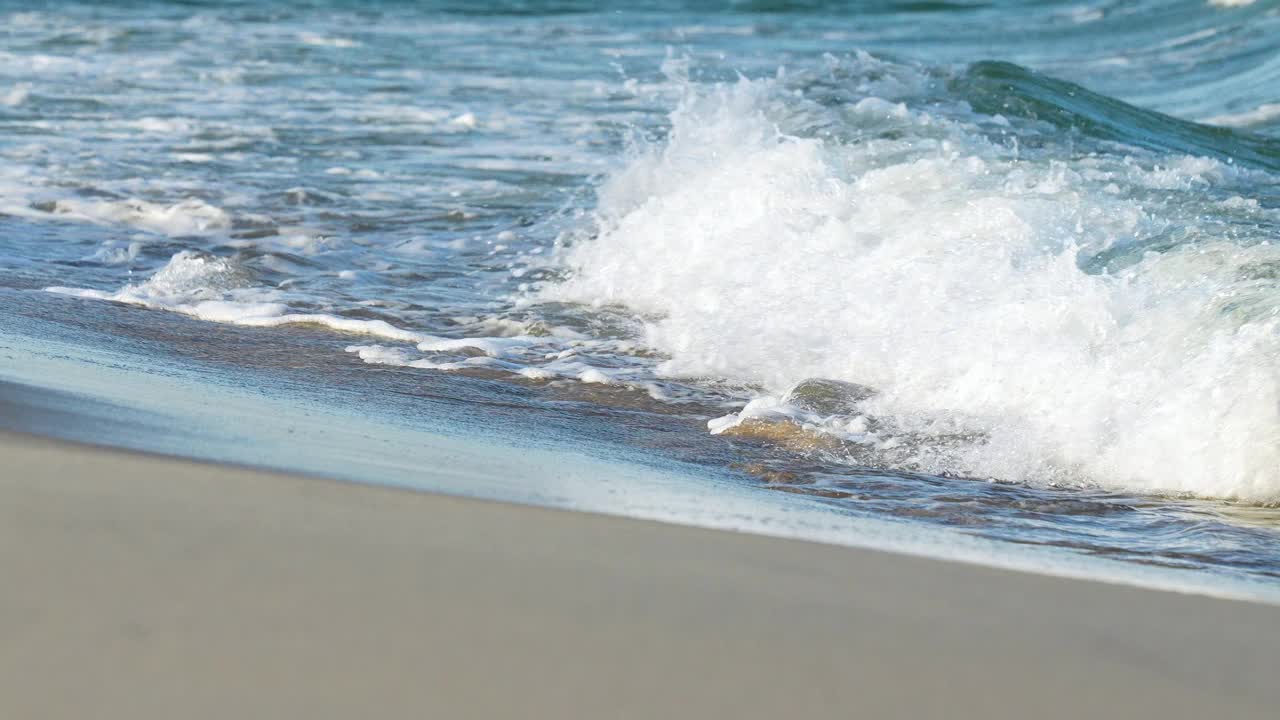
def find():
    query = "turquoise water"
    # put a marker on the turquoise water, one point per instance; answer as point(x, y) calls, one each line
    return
point(1004, 269)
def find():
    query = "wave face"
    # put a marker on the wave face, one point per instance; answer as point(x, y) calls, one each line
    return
point(1034, 283)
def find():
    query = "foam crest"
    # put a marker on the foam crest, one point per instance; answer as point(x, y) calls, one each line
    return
point(539, 358)
point(1031, 302)
point(1261, 115)
point(217, 289)
point(187, 217)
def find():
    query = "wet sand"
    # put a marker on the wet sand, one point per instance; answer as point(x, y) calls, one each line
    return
point(145, 587)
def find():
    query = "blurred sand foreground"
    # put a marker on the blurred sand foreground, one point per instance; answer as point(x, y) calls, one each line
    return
point(140, 588)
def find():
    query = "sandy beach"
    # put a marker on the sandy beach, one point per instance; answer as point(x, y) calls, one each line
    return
point(639, 360)
point(145, 587)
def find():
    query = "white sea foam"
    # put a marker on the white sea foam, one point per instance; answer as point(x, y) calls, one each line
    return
point(322, 41)
point(187, 217)
point(533, 358)
point(15, 95)
point(160, 126)
point(945, 271)
point(1264, 113)
point(219, 290)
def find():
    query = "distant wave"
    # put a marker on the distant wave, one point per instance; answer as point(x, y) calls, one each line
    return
point(1005, 88)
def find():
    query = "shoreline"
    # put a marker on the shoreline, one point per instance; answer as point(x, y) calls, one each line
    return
point(66, 383)
point(150, 587)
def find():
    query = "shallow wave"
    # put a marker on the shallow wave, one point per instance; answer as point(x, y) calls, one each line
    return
point(1040, 284)
point(218, 289)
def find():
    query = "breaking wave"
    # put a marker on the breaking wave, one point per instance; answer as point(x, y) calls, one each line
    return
point(1020, 279)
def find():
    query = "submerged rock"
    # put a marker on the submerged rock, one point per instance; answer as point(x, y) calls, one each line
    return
point(784, 433)
point(827, 397)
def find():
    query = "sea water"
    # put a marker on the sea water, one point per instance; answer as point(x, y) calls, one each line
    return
point(1006, 270)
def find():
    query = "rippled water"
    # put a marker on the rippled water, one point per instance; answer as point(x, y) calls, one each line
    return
point(1008, 268)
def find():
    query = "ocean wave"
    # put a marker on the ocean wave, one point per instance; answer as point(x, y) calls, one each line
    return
point(1039, 283)
point(1008, 89)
